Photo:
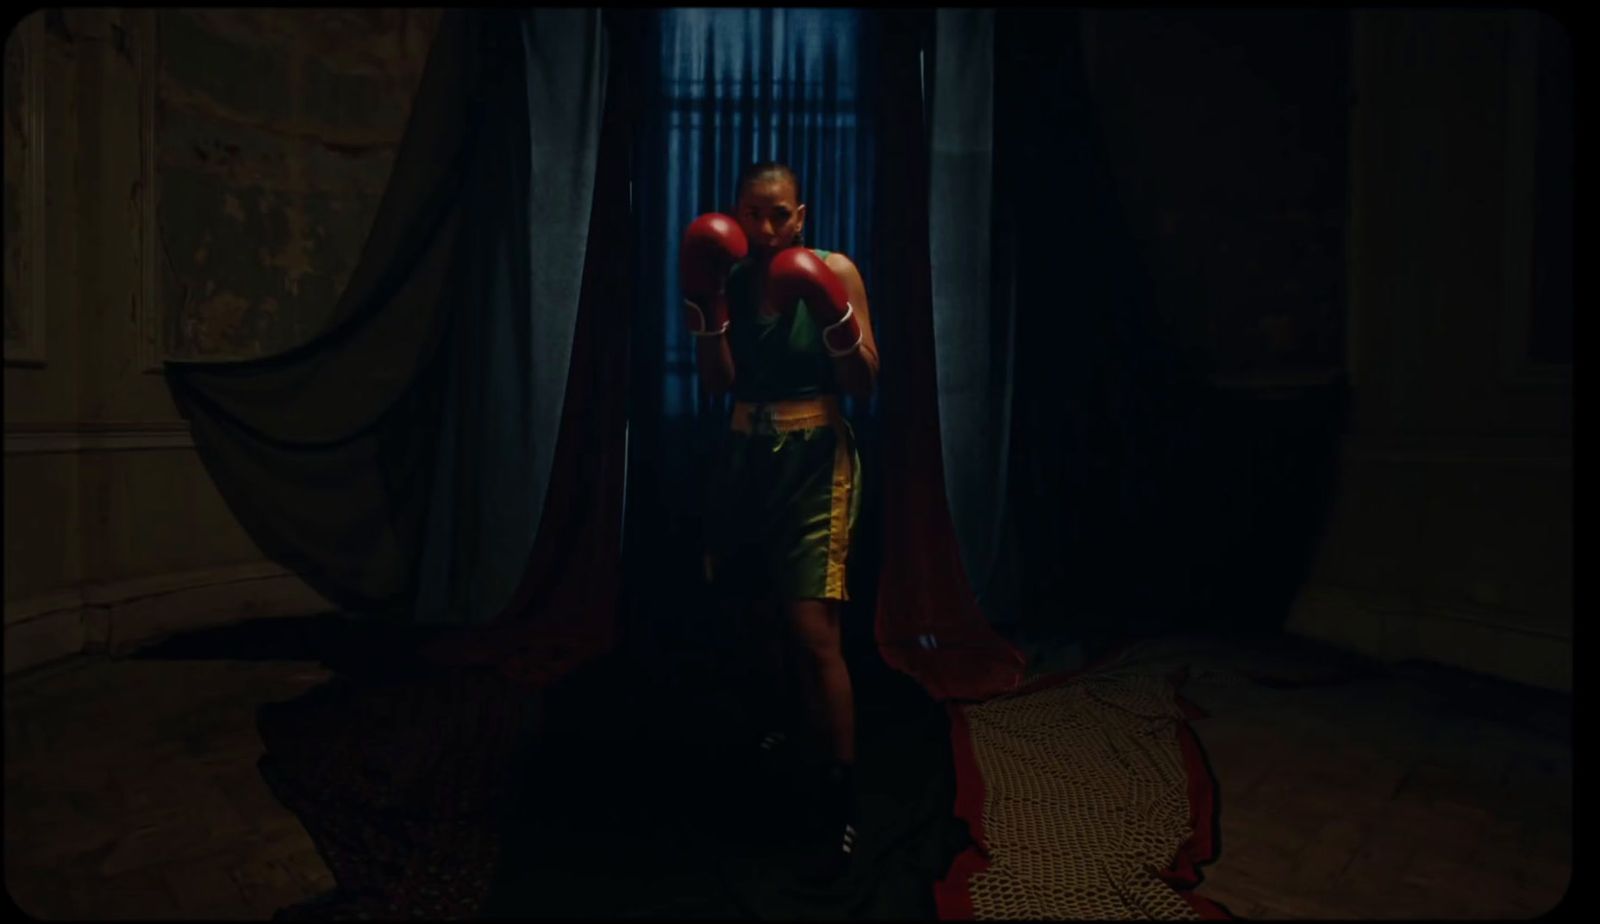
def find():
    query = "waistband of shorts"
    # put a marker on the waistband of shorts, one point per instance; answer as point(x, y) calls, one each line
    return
point(785, 416)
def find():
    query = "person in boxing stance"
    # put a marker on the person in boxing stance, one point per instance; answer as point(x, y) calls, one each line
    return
point(786, 329)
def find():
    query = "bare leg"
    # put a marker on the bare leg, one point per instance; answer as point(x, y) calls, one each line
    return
point(825, 681)
point(771, 656)
point(824, 678)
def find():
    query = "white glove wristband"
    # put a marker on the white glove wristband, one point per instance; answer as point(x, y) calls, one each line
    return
point(702, 332)
point(849, 311)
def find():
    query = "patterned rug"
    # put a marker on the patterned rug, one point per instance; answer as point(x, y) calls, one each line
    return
point(1088, 797)
point(397, 783)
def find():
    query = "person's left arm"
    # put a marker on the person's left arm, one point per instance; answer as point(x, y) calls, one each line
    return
point(857, 371)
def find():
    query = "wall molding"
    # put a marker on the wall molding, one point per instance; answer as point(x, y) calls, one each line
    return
point(106, 594)
point(117, 617)
point(1461, 449)
point(1456, 457)
point(97, 436)
point(49, 638)
point(1392, 628)
point(1282, 379)
point(30, 351)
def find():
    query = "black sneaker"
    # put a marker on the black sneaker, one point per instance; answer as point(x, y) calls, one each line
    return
point(829, 861)
point(773, 742)
point(833, 844)
point(774, 752)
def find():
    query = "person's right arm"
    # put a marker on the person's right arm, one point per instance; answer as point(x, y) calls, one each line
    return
point(711, 245)
point(716, 364)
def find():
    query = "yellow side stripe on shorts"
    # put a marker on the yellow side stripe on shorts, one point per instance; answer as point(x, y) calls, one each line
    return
point(839, 519)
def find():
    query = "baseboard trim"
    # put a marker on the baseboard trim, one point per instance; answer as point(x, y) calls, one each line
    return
point(115, 618)
point(96, 436)
point(42, 605)
point(51, 637)
point(1395, 628)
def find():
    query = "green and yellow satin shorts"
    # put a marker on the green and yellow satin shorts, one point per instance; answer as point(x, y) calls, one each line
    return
point(784, 497)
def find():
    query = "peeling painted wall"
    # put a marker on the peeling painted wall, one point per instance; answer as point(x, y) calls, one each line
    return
point(275, 134)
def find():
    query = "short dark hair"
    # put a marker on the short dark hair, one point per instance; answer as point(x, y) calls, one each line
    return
point(768, 170)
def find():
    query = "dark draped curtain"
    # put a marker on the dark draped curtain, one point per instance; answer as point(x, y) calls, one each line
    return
point(531, 194)
point(401, 461)
point(1069, 423)
point(928, 619)
point(727, 87)
point(567, 601)
point(323, 452)
point(1103, 406)
point(974, 323)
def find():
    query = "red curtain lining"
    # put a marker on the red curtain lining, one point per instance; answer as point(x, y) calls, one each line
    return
point(951, 894)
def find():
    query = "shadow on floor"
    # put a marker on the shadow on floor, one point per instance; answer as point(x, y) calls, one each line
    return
point(634, 786)
point(647, 794)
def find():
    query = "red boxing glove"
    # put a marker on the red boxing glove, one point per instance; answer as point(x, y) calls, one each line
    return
point(711, 245)
point(796, 274)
